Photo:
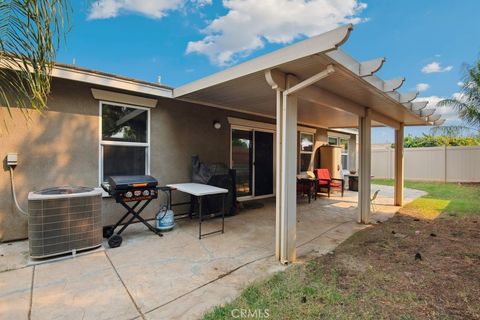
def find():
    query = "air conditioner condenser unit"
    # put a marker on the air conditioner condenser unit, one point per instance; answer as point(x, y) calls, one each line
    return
point(63, 220)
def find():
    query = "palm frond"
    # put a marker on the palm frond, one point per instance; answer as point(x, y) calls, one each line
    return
point(30, 34)
point(453, 130)
point(467, 103)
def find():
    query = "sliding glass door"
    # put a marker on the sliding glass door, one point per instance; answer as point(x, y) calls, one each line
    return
point(242, 160)
point(263, 164)
point(252, 158)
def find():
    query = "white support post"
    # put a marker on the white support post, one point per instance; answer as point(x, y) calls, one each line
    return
point(399, 166)
point(279, 176)
point(288, 204)
point(364, 173)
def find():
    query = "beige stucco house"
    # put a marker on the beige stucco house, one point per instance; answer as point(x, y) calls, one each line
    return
point(304, 92)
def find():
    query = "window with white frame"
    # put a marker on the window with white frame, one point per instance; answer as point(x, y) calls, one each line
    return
point(306, 150)
point(124, 140)
point(341, 141)
point(333, 141)
point(344, 145)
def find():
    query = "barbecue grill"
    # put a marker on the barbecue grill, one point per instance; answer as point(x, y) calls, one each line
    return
point(130, 191)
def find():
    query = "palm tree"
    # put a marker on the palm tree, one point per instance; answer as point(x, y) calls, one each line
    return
point(467, 103)
point(30, 34)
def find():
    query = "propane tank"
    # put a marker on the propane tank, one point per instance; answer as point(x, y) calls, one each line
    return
point(165, 219)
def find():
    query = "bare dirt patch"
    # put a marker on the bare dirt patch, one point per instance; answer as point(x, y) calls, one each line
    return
point(411, 268)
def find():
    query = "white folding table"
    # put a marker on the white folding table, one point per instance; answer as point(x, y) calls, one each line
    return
point(199, 190)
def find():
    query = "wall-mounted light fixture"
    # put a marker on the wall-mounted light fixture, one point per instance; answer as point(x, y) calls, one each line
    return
point(216, 124)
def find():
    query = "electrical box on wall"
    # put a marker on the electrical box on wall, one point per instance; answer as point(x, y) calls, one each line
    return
point(12, 159)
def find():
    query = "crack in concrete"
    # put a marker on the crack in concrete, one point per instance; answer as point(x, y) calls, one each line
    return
point(238, 268)
point(323, 233)
point(209, 282)
point(125, 286)
point(31, 295)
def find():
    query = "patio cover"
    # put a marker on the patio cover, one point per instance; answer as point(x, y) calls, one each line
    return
point(346, 92)
point(314, 82)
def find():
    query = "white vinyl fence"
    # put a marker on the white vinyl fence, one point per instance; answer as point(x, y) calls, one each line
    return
point(450, 164)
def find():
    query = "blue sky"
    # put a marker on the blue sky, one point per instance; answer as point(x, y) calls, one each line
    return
point(184, 40)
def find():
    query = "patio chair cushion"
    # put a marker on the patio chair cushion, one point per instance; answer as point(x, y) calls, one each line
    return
point(323, 182)
point(336, 184)
point(323, 174)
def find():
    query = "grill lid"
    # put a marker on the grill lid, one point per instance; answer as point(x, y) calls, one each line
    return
point(129, 182)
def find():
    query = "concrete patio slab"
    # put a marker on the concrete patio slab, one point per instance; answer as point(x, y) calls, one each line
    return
point(15, 287)
point(13, 255)
point(176, 276)
point(195, 304)
point(86, 287)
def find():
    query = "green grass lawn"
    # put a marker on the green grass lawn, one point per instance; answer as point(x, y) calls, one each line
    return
point(373, 275)
point(453, 199)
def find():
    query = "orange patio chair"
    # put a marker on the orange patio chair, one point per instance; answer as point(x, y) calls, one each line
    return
point(325, 181)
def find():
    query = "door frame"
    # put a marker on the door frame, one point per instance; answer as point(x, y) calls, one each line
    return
point(254, 128)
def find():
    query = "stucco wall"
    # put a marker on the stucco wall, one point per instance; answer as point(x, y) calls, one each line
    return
point(60, 147)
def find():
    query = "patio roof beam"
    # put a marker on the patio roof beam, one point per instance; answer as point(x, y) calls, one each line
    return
point(439, 122)
point(312, 93)
point(393, 84)
point(416, 105)
point(326, 98)
point(425, 112)
point(407, 96)
point(368, 68)
point(433, 117)
point(313, 79)
point(361, 69)
point(384, 119)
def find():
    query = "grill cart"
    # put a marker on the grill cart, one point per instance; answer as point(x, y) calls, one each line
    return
point(130, 192)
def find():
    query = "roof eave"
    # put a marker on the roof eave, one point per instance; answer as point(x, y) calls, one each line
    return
point(322, 43)
point(106, 80)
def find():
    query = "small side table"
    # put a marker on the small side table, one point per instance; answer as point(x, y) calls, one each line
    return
point(353, 182)
point(311, 185)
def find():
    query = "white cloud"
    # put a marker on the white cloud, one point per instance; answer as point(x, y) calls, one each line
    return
point(435, 67)
point(459, 96)
point(201, 3)
point(104, 9)
point(447, 113)
point(422, 87)
point(250, 24)
point(460, 83)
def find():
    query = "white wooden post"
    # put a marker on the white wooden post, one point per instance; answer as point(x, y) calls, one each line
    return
point(364, 173)
point(288, 202)
point(399, 166)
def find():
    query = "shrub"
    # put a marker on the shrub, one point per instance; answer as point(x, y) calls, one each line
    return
point(428, 140)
